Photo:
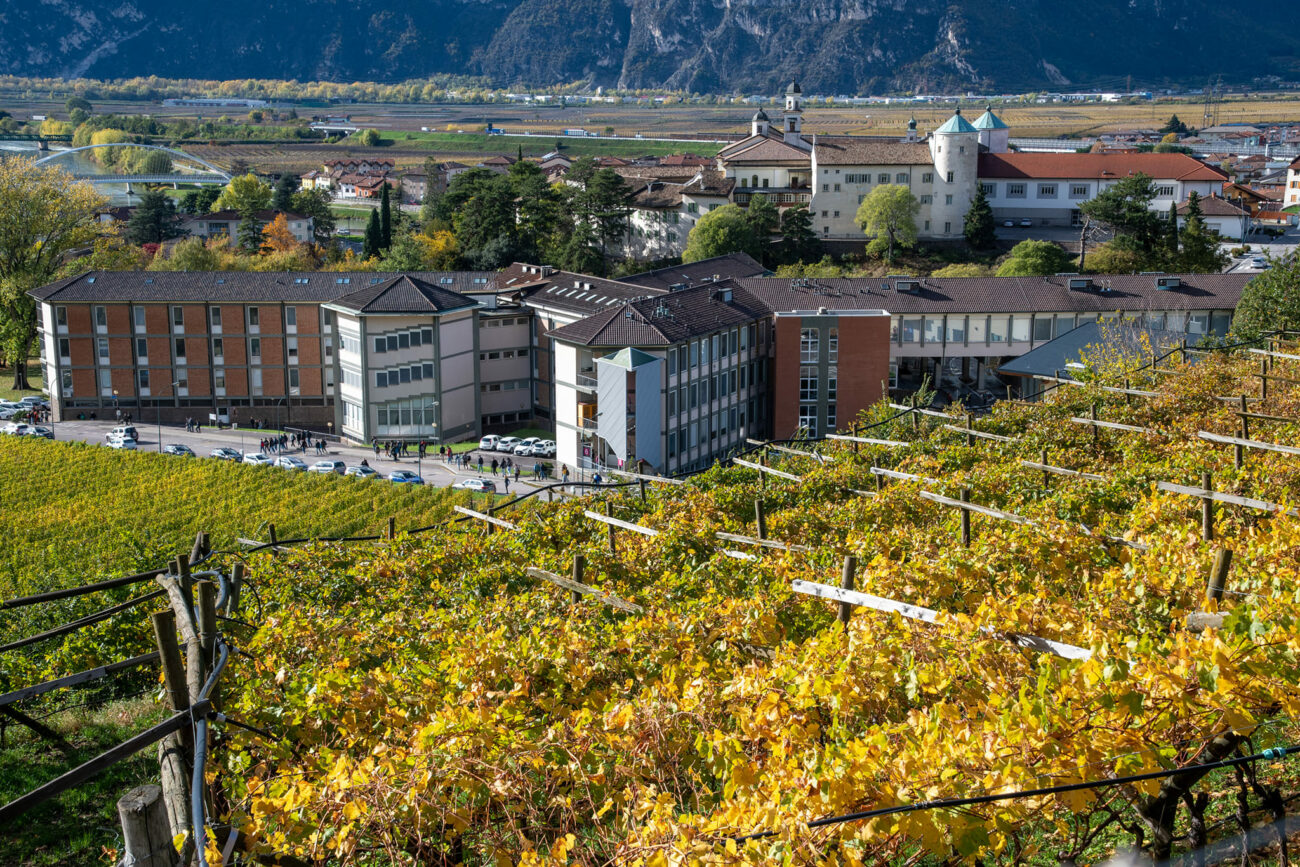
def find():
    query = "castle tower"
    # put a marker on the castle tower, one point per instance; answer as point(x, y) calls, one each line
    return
point(793, 124)
point(954, 148)
point(911, 129)
point(761, 123)
point(994, 133)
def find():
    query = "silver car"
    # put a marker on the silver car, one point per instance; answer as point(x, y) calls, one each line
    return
point(325, 467)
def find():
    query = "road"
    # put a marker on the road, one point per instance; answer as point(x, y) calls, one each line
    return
point(434, 471)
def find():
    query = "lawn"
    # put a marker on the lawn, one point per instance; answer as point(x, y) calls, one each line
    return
point(35, 378)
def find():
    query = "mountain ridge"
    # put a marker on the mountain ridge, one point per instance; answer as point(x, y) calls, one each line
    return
point(710, 46)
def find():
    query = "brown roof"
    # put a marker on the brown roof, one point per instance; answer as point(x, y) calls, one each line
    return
point(863, 151)
point(1097, 166)
point(665, 320)
point(404, 294)
point(766, 150)
point(692, 273)
point(1213, 206)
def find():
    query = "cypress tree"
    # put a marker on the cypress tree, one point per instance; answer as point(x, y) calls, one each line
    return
point(372, 244)
point(385, 221)
point(1171, 237)
point(979, 229)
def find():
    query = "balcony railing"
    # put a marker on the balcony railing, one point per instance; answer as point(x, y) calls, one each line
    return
point(585, 381)
point(587, 423)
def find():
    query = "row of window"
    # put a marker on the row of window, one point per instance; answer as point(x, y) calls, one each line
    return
point(507, 385)
point(403, 375)
point(1020, 190)
point(712, 430)
point(416, 411)
point(714, 348)
point(721, 385)
point(809, 383)
point(416, 337)
point(501, 322)
point(810, 345)
point(809, 419)
point(975, 330)
point(252, 315)
point(495, 354)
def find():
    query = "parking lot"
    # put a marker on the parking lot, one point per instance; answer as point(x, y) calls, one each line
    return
point(432, 469)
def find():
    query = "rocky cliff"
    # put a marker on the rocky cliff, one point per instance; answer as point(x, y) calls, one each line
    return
point(834, 46)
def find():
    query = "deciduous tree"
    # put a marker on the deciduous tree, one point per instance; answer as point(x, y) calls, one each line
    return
point(246, 195)
point(1270, 301)
point(888, 215)
point(44, 216)
point(719, 232)
point(276, 236)
point(1032, 258)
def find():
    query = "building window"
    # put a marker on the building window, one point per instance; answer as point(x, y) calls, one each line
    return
point(808, 346)
point(101, 319)
point(1042, 328)
point(381, 379)
point(293, 377)
point(178, 317)
point(255, 380)
point(142, 377)
point(1047, 191)
point(254, 317)
point(833, 345)
point(950, 177)
point(837, 188)
point(218, 347)
point(381, 345)
point(255, 349)
point(927, 199)
point(180, 348)
point(392, 343)
point(291, 317)
point(219, 379)
point(901, 178)
point(214, 316)
point(61, 317)
point(947, 228)
point(65, 348)
point(1078, 191)
point(947, 200)
point(292, 345)
point(989, 189)
point(66, 381)
point(102, 343)
point(141, 348)
point(808, 382)
point(1015, 191)
point(927, 178)
point(808, 418)
point(1165, 192)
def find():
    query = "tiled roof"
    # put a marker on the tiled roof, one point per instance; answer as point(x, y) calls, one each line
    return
point(989, 120)
point(1097, 166)
point(863, 151)
point(404, 294)
point(564, 290)
point(239, 287)
point(667, 319)
point(764, 149)
point(724, 267)
point(1001, 294)
point(1213, 206)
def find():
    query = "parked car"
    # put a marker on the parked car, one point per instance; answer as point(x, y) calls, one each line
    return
point(9, 409)
point(1026, 223)
point(16, 429)
point(124, 443)
point(41, 431)
point(258, 459)
point(489, 442)
point(1259, 262)
point(362, 472)
point(32, 400)
point(525, 447)
point(1010, 224)
point(544, 449)
point(328, 467)
point(123, 431)
point(289, 462)
point(226, 454)
point(178, 449)
point(405, 477)
point(480, 485)
point(507, 444)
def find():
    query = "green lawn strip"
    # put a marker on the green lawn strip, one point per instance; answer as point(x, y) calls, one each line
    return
point(75, 827)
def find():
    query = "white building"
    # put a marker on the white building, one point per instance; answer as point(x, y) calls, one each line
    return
point(1291, 195)
point(666, 208)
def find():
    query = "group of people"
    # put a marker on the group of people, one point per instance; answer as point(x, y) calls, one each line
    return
point(399, 449)
point(122, 417)
point(193, 426)
point(38, 414)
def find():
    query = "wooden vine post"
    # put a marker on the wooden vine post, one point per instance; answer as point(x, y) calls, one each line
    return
point(1238, 450)
point(1207, 508)
point(760, 519)
point(1047, 476)
point(392, 529)
point(846, 583)
point(1219, 575)
point(613, 543)
point(175, 749)
point(146, 833)
point(965, 518)
point(579, 565)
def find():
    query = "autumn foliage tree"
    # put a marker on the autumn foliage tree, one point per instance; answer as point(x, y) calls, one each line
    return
point(277, 237)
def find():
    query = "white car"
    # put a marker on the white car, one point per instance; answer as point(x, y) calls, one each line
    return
point(1259, 262)
point(544, 449)
point(507, 444)
point(488, 443)
point(361, 472)
point(258, 459)
point(325, 467)
point(525, 447)
point(478, 485)
point(9, 409)
point(289, 462)
point(125, 443)
point(126, 432)
point(17, 429)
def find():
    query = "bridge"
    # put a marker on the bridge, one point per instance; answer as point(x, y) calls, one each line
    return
point(213, 175)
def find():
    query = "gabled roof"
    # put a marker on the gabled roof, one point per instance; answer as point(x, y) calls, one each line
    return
point(764, 149)
point(1054, 357)
point(668, 319)
point(956, 124)
point(1106, 167)
point(404, 294)
point(731, 265)
point(238, 287)
point(1213, 206)
point(863, 151)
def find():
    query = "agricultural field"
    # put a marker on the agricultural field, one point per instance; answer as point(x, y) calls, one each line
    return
point(438, 701)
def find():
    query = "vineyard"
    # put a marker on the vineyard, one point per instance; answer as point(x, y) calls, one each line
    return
point(1044, 636)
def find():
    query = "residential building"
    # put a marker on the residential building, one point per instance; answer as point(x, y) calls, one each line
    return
point(226, 224)
point(1292, 195)
point(1221, 216)
point(667, 205)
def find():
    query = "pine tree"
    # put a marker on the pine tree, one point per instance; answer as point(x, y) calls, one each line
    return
point(980, 229)
point(1171, 237)
point(250, 234)
point(372, 244)
point(798, 240)
point(1201, 253)
point(282, 195)
point(385, 221)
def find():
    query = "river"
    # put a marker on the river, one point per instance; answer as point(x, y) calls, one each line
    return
point(81, 163)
